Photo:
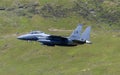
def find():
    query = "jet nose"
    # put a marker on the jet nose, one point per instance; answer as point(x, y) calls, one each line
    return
point(21, 37)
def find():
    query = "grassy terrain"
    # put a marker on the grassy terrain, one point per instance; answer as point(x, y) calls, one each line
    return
point(30, 58)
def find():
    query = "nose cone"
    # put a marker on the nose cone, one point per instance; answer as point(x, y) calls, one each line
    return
point(27, 37)
point(22, 37)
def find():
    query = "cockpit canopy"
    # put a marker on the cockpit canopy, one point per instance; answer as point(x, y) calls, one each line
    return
point(36, 32)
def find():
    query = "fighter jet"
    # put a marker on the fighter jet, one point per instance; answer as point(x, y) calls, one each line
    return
point(76, 38)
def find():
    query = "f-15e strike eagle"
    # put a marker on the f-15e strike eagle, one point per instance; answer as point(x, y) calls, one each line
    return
point(76, 38)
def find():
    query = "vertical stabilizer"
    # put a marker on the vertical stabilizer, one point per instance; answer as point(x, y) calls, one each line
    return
point(86, 34)
point(76, 33)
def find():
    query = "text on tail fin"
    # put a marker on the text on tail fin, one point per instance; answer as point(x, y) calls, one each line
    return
point(76, 33)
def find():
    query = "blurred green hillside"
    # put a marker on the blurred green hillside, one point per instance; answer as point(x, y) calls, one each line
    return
point(59, 17)
point(96, 12)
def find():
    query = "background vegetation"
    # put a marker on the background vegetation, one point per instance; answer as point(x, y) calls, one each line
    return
point(59, 17)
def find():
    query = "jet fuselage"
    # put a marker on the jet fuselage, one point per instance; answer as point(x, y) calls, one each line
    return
point(51, 40)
